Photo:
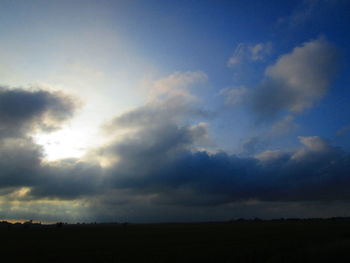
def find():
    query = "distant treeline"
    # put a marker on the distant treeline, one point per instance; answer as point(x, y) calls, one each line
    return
point(31, 223)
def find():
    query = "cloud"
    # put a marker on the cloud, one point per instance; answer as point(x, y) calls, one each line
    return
point(149, 128)
point(305, 11)
point(177, 85)
point(238, 55)
point(22, 114)
point(314, 145)
point(160, 159)
point(154, 113)
point(269, 156)
point(20, 160)
point(155, 137)
point(68, 179)
point(174, 175)
point(22, 111)
point(171, 102)
point(251, 145)
point(260, 51)
point(160, 168)
point(160, 165)
point(301, 14)
point(345, 129)
point(244, 53)
point(234, 96)
point(283, 126)
point(297, 80)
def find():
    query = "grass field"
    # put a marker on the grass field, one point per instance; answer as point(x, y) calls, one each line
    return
point(248, 241)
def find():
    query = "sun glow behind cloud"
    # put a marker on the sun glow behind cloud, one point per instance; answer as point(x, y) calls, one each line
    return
point(65, 143)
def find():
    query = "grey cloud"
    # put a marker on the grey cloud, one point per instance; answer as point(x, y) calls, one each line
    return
point(159, 160)
point(21, 165)
point(152, 147)
point(171, 110)
point(251, 145)
point(68, 179)
point(283, 126)
point(64, 180)
point(20, 160)
point(297, 80)
point(153, 131)
point(234, 96)
point(158, 163)
point(161, 163)
point(23, 110)
point(317, 171)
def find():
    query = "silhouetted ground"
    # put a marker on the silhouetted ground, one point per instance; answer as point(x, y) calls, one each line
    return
point(238, 241)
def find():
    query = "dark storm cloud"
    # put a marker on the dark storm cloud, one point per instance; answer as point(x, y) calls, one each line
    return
point(21, 166)
point(68, 179)
point(64, 180)
point(73, 178)
point(22, 110)
point(20, 160)
point(161, 161)
point(153, 143)
point(158, 158)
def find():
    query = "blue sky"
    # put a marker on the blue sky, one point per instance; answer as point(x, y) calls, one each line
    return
point(197, 110)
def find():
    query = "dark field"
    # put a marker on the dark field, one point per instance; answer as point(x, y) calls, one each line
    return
point(249, 241)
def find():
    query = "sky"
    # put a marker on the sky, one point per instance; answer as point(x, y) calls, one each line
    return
point(158, 111)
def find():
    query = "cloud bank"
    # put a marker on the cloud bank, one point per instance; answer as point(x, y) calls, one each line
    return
point(156, 158)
